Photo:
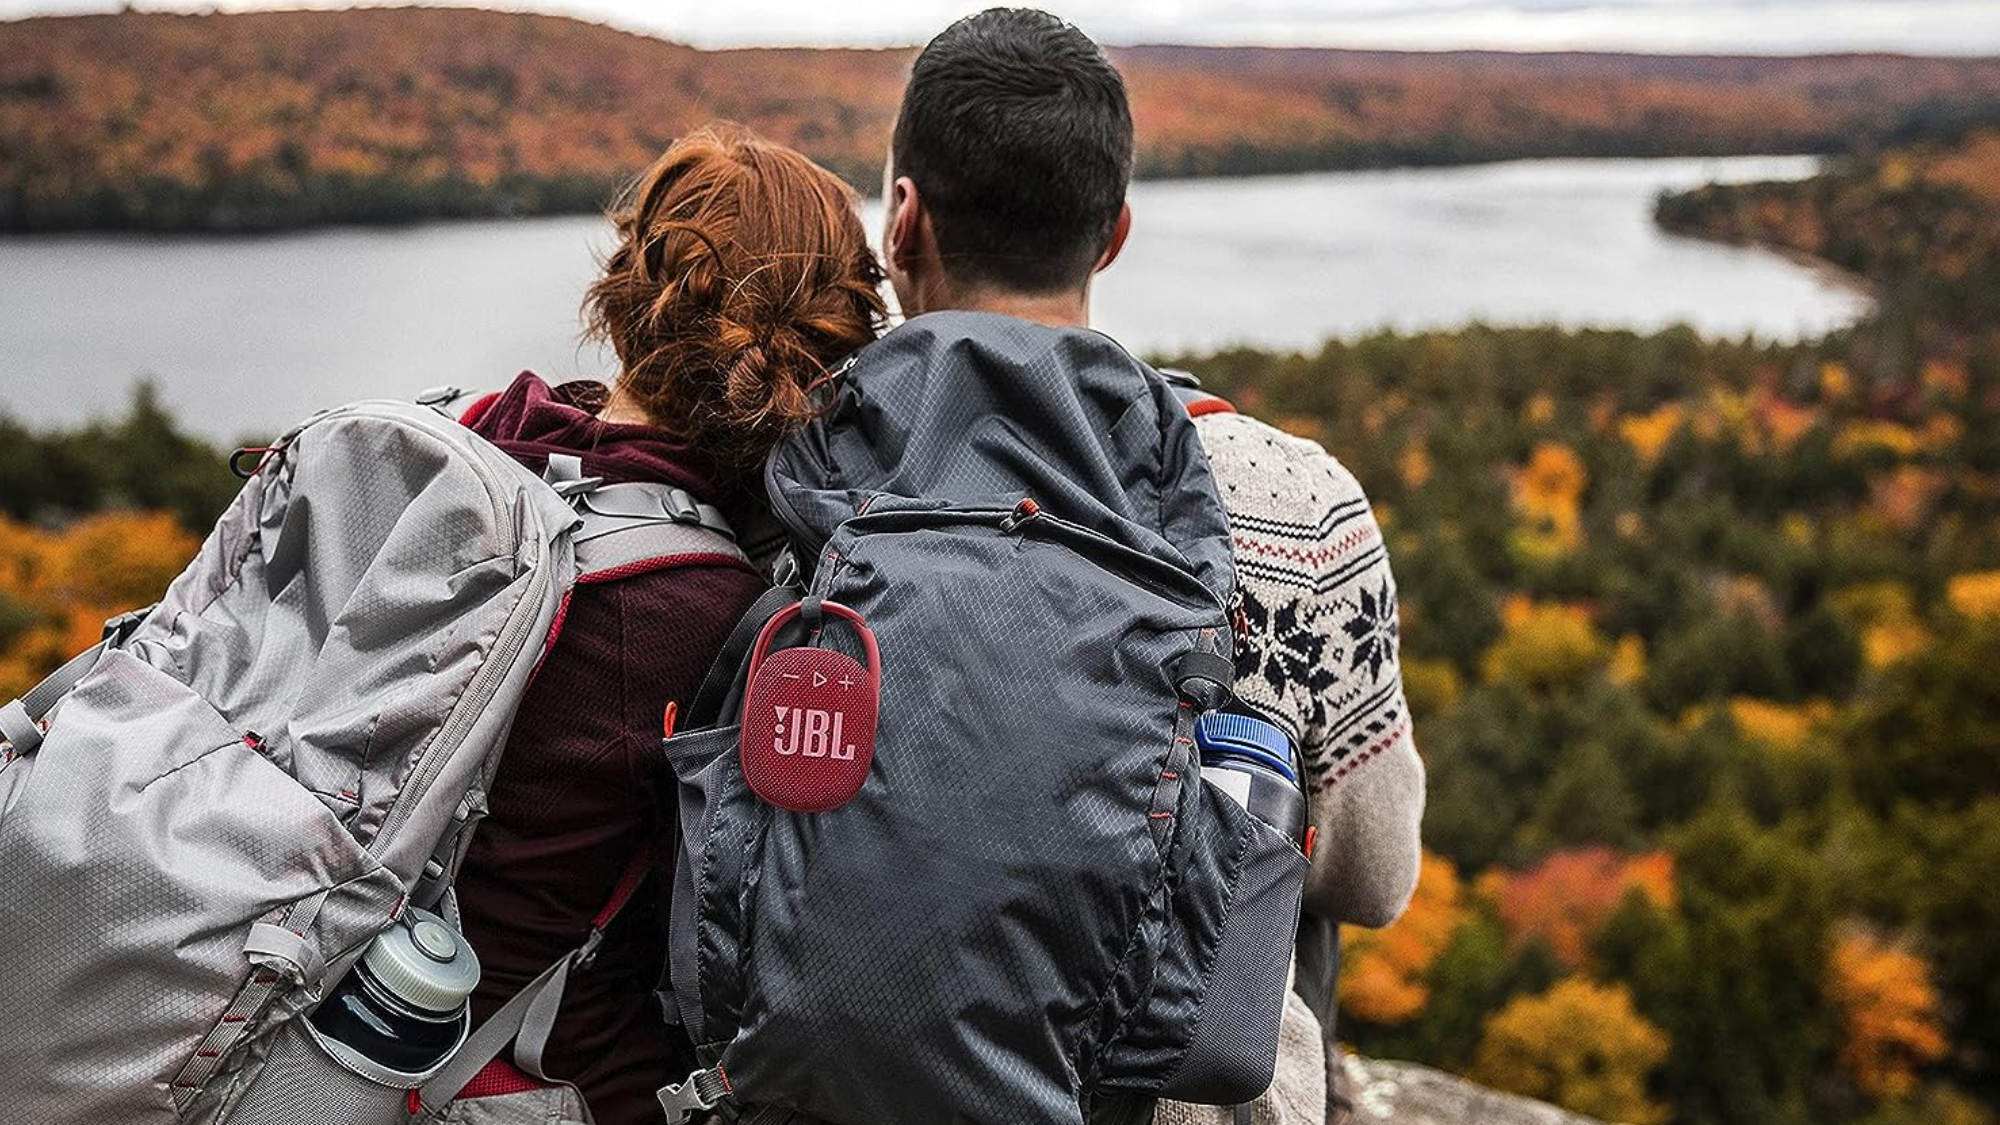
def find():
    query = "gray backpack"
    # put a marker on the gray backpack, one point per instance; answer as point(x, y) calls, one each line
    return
point(206, 819)
point(1017, 903)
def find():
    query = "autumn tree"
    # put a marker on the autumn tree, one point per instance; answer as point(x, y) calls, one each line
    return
point(1890, 1012)
point(60, 587)
point(1580, 1045)
point(1564, 899)
point(1545, 645)
point(1383, 972)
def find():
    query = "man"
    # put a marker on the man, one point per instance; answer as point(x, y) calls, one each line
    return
point(1005, 192)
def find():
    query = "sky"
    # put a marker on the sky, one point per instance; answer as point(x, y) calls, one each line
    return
point(1706, 26)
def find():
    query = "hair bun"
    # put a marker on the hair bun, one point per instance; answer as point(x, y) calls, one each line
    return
point(742, 272)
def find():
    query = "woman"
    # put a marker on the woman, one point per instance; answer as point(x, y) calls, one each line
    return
point(740, 276)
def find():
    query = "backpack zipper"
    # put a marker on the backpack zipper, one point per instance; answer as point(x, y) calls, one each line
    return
point(507, 647)
point(513, 639)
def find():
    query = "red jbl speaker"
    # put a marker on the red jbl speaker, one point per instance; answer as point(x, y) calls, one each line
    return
point(809, 715)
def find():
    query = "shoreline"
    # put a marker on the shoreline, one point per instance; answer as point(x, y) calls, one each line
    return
point(504, 211)
point(254, 232)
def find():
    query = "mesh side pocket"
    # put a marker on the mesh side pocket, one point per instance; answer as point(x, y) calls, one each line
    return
point(308, 1080)
point(1234, 1050)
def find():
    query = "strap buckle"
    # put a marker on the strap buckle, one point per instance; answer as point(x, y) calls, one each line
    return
point(682, 507)
point(121, 627)
point(565, 474)
point(586, 954)
point(701, 1092)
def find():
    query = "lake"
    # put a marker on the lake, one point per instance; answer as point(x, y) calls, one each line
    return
point(245, 334)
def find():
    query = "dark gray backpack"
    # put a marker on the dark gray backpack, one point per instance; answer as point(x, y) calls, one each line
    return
point(1032, 910)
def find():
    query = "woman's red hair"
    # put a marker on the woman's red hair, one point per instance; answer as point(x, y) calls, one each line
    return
point(741, 274)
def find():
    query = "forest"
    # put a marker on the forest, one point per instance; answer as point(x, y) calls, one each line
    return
point(264, 120)
point(1699, 635)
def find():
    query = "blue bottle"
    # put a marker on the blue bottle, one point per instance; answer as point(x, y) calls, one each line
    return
point(1252, 761)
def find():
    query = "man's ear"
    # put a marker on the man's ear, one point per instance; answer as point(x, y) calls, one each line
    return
point(903, 243)
point(1119, 230)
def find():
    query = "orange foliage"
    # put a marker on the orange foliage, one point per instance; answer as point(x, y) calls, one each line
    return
point(514, 110)
point(1976, 594)
point(1564, 899)
point(1902, 500)
point(1891, 1014)
point(1546, 492)
point(72, 580)
point(1382, 971)
point(1973, 165)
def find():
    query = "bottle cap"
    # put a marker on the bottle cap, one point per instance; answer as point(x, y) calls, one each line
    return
point(1219, 732)
point(423, 962)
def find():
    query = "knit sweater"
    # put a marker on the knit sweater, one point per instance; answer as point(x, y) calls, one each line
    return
point(1319, 658)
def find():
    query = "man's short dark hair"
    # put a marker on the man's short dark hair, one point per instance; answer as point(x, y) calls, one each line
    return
point(1017, 132)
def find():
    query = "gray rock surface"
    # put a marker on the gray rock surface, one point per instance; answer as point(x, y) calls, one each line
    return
point(1395, 1093)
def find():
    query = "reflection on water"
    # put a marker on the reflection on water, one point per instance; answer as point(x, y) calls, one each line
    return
point(250, 333)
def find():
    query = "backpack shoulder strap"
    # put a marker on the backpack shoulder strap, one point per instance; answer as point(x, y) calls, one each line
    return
point(610, 549)
point(456, 403)
point(1188, 390)
point(629, 528)
point(21, 720)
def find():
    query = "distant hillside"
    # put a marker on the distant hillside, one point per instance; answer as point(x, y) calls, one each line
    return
point(261, 120)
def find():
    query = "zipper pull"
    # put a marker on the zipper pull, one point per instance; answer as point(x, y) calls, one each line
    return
point(1023, 512)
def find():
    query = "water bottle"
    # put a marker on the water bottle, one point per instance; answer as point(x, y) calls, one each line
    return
point(1252, 761)
point(404, 1005)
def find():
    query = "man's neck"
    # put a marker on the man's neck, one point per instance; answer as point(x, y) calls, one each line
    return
point(1057, 310)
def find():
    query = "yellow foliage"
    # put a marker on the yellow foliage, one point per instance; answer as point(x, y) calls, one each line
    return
point(1890, 1012)
point(1777, 726)
point(1628, 661)
point(1726, 412)
point(1976, 594)
point(1893, 642)
point(1580, 1045)
point(1382, 971)
point(1835, 383)
point(1648, 434)
point(1431, 686)
point(1872, 603)
point(74, 579)
point(1856, 437)
point(1544, 644)
point(1539, 409)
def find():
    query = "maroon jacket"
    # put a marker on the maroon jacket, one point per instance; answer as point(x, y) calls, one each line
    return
point(579, 790)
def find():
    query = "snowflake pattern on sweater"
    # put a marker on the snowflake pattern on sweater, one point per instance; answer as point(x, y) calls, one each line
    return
point(1318, 630)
